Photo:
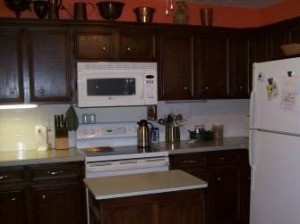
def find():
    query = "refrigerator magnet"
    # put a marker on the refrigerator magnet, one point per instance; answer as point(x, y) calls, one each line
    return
point(271, 89)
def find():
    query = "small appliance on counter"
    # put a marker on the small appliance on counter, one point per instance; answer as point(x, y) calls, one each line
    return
point(144, 134)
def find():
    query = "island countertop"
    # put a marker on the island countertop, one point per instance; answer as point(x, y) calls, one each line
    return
point(142, 184)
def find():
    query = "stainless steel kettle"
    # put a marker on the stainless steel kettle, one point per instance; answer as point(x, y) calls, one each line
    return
point(143, 134)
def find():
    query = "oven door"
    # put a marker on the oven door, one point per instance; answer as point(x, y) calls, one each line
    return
point(110, 88)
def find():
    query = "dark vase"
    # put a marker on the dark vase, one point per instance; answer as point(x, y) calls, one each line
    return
point(17, 6)
point(41, 8)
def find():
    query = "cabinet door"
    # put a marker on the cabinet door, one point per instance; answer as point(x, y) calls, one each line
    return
point(176, 66)
point(277, 37)
point(240, 67)
point(95, 45)
point(13, 207)
point(11, 69)
point(223, 202)
point(60, 205)
point(50, 66)
point(137, 45)
point(213, 66)
point(260, 46)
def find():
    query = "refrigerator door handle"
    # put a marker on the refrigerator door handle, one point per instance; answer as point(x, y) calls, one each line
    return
point(252, 109)
point(252, 158)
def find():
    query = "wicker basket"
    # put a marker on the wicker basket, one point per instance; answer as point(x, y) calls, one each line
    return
point(291, 49)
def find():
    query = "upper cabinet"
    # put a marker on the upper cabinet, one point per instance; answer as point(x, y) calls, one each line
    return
point(49, 59)
point(240, 65)
point(128, 43)
point(176, 70)
point(11, 59)
point(212, 65)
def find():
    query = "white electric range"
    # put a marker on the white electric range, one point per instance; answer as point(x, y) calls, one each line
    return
point(111, 149)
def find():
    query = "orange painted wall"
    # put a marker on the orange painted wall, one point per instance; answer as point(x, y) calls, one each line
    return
point(284, 10)
point(223, 16)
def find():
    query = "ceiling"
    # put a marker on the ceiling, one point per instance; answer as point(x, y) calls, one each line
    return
point(240, 3)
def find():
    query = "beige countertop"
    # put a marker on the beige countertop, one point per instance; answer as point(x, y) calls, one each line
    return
point(26, 157)
point(187, 146)
point(142, 184)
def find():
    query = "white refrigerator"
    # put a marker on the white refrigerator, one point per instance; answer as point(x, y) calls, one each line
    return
point(274, 142)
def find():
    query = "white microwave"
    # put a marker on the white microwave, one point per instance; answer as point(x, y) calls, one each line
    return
point(107, 84)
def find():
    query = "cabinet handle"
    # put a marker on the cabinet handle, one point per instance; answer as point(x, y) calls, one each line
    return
point(43, 196)
point(13, 199)
point(52, 173)
point(219, 178)
point(241, 87)
point(206, 88)
point(189, 161)
point(185, 88)
point(103, 48)
point(12, 92)
point(2, 177)
point(129, 48)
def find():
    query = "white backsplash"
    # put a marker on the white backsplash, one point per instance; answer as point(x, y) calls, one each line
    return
point(17, 126)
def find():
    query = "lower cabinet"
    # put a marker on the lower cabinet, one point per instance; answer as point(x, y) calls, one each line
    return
point(164, 208)
point(12, 204)
point(227, 174)
point(43, 194)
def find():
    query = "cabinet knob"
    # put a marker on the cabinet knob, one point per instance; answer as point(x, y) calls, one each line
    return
point(219, 178)
point(2, 177)
point(43, 196)
point(206, 88)
point(12, 92)
point(103, 48)
point(13, 199)
point(185, 88)
point(41, 91)
point(128, 48)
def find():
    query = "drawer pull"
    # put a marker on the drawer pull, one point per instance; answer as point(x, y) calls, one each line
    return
point(128, 48)
point(52, 173)
point(103, 48)
point(219, 178)
point(13, 199)
point(44, 196)
point(189, 161)
point(2, 177)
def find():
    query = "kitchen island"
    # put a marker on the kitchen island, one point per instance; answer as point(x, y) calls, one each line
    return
point(151, 198)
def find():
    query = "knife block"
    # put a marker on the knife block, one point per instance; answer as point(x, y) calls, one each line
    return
point(61, 138)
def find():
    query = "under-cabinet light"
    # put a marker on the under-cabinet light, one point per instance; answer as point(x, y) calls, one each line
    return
point(17, 106)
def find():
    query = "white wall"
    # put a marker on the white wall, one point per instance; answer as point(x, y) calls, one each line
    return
point(17, 126)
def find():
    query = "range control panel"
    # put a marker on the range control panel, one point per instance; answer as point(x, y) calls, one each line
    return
point(107, 130)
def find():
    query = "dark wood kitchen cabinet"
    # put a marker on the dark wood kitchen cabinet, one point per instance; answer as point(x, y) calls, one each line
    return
point(227, 174)
point(11, 59)
point(212, 65)
point(42, 194)
point(49, 65)
point(240, 65)
point(187, 206)
point(13, 196)
point(176, 59)
point(126, 43)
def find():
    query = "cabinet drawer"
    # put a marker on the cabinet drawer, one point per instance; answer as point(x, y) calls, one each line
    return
point(187, 160)
point(11, 175)
point(223, 157)
point(56, 173)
